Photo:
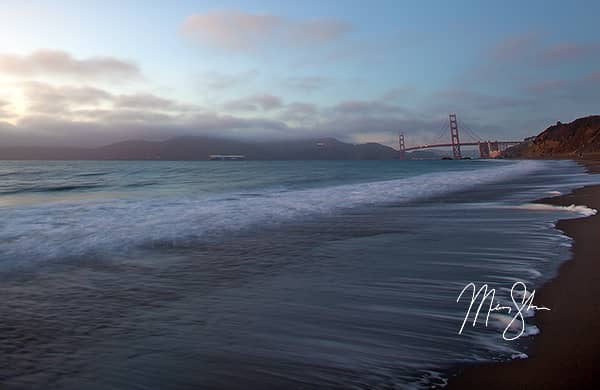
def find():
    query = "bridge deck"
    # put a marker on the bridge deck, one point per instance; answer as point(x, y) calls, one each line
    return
point(427, 146)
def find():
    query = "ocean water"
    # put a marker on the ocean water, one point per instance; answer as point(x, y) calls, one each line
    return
point(179, 275)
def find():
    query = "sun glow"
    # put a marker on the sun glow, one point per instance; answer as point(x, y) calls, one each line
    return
point(19, 104)
point(15, 105)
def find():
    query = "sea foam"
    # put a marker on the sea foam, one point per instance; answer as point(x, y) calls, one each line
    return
point(79, 228)
point(577, 209)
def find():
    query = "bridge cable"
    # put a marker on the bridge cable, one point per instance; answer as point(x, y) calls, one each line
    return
point(442, 131)
point(470, 132)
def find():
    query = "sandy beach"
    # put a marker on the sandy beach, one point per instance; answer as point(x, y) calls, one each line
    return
point(567, 352)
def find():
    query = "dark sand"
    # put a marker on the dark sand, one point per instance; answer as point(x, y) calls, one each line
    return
point(566, 354)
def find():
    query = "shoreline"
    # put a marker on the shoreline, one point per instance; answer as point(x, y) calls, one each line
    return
point(566, 353)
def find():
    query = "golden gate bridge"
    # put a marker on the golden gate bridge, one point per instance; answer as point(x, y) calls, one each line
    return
point(487, 149)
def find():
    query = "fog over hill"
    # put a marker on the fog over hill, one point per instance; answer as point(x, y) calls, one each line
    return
point(200, 148)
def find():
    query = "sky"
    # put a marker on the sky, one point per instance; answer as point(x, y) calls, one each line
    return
point(89, 73)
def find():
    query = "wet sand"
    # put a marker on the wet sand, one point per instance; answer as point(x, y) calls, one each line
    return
point(566, 354)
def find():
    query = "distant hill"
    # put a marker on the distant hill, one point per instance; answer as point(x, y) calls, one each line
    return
point(199, 148)
point(578, 138)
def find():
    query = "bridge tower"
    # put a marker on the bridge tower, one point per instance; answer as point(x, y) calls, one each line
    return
point(484, 149)
point(402, 149)
point(454, 135)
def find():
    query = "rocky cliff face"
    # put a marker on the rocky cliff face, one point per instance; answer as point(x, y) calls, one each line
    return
point(580, 137)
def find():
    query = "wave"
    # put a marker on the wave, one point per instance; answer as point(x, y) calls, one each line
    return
point(63, 188)
point(88, 174)
point(67, 188)
point(9, 173)
point(142, 184)
point(75, 229)
point(577, 209)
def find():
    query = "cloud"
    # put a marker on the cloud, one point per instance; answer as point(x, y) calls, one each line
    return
point(264, 102)
point(593, 77)
point(210, 122)
point(4, 109)
point(476, 100)
point(59, 63)
point(121, 125)
point(515, 47)
point(110, 126)
point(418, 130)
point(300, 112)
point(90, 102)
point(568, 51)
point(529, 48)
point(64, 115)
point(399, 93)
point(547, 86)
point(143, 100)
point(149, 101)
point(6, 127)
point(139, 116)
point(220, 81)
point(145, 117)
point(57, 100)
point(316, 31)
point(87, 116)
point(580, 91)
point(306, 84)
point(366, 107)
point(238, 30)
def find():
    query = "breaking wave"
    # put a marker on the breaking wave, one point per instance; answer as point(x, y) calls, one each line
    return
point(79, 228)
point(577, 209)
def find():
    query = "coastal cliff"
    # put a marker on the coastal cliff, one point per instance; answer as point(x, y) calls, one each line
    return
point(575, 139)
